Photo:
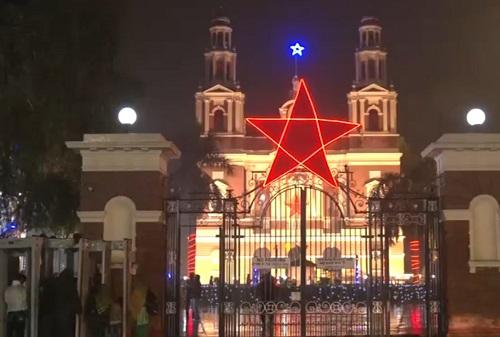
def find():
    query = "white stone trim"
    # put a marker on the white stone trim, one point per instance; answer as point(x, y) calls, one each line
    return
point(473, 265)
point(123, 141)
point(149, 216)
point(140, 216)
point(123, 161)
point(456, 214)
point(465, 152)
point(91, 216)
point(125, 152)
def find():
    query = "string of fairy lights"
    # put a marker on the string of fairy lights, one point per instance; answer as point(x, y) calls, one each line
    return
point(399, 293)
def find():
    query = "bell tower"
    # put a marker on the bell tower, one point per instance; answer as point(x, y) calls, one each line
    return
point(219, 100)
point(372, 102)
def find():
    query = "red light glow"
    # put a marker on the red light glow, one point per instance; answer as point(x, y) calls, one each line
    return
point(415, 256)
point(302, 138)
point(191, 253)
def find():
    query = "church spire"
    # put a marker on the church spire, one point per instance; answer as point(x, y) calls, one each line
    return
point(370, 56)
point(371, 102)
point(220, 101)
point(220, 57)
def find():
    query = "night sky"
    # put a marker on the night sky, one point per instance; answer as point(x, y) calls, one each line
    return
point(444, 57)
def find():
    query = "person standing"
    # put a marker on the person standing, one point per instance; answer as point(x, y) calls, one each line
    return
point(115, 319)
point(66, 304)
point(189, 295)
point(98, 309)
point(195, 303)
point(15, 298)
point(266, 292)
point(195, 297)
point(138, 310)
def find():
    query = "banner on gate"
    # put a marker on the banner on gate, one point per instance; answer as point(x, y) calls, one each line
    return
point(335, 263)
point(271, 262)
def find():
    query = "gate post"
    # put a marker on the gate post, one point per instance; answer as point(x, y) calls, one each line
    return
point(222, 271)
point(303, 258)
point(468, 168)
point(123, 188)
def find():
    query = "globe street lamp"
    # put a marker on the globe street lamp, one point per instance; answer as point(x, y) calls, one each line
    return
point(476, 117)
point(127, 116)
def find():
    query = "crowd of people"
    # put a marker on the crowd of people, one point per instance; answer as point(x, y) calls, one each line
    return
point(60, 304)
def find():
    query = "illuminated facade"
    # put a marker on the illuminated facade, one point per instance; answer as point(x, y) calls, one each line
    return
point(368, 153)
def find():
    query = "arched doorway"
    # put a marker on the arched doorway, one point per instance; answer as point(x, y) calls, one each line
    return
point(219, 124)
point(373, 121)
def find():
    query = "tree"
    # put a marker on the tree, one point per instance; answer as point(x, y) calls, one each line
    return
point(57, 81)
point(417, 179)
point(189, 178)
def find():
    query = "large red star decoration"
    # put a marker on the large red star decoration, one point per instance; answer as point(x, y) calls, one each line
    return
point(302, 138)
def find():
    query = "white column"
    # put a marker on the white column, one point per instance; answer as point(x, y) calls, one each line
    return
point(207, 112)
point(240, 123)
point(199, 112)
point(393, 111)
point(385, 114)
point(357, 70)
point(224, 71)
point(354, 111)
point(349, 105)
point(214, 68)
point(233, 78)
point(362, 113)
point(229, 110)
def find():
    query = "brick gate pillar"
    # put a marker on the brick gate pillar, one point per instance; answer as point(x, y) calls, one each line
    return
point(468, 166)
point(122, 194)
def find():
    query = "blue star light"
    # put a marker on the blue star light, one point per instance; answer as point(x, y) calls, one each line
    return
point(297, 49)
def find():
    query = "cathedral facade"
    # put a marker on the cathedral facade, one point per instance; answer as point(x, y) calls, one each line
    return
point(364, 155)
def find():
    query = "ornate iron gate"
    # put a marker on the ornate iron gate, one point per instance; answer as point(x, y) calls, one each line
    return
point(305, 261)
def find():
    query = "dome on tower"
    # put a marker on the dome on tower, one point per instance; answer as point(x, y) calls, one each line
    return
point(221, 21)
point(370, 21)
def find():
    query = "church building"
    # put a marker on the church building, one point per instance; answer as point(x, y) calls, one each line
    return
point(367, 153)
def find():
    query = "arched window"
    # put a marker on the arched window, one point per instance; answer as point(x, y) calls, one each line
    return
point(119, 223)
point(228, 71)
point(371, 69)
point(363, 70)
point(373, 121)
point(262, 252)
point(220, 39)
point(331, 252)
point(219, 123)
point(484, 232)
point(371, 38)
point(219, 71)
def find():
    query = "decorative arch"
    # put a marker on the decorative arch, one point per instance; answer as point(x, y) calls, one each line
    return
point(373, 120)
point(332, 252)
point(119, 219)
point(219, 123)
point(484, 232)
point(262, 252)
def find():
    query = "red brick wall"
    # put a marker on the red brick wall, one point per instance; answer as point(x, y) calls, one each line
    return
point(146, 189)
point(150, 255)
point(459, 188)
point(473, 300)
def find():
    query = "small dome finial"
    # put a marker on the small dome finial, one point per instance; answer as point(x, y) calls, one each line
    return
point(220, 17)
point(370, 21)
